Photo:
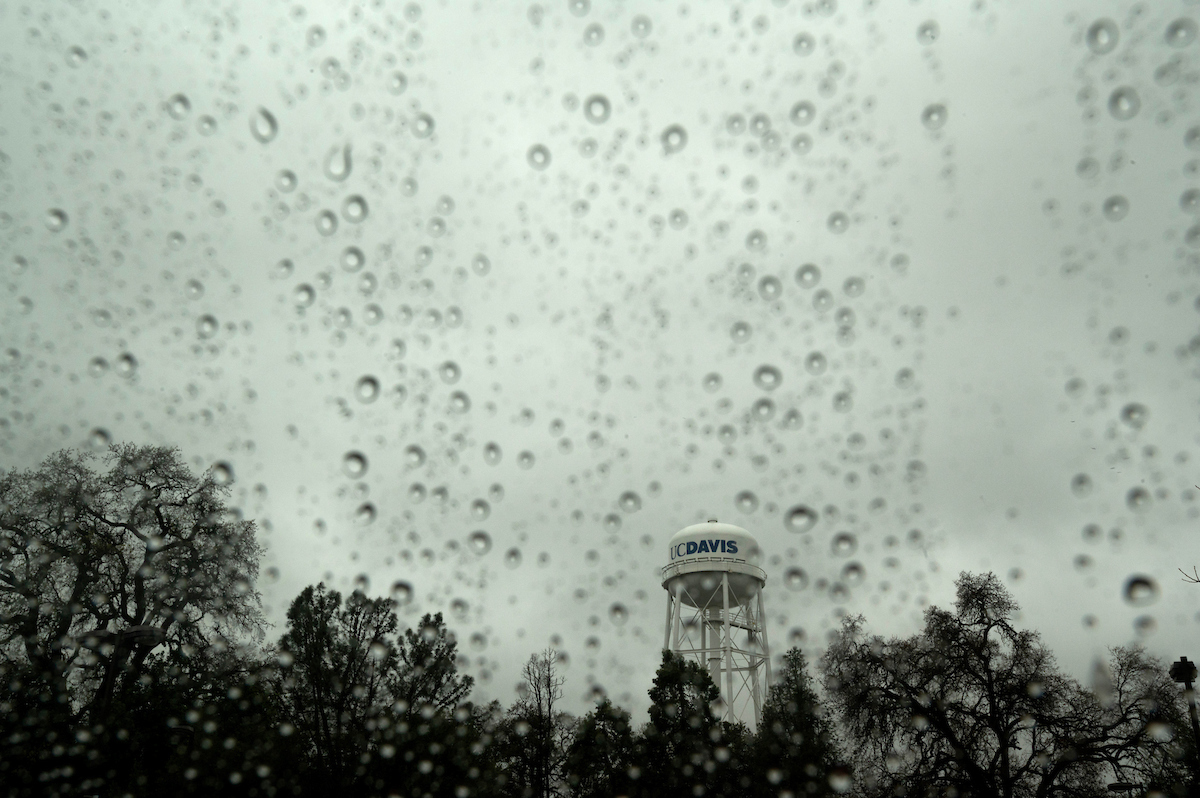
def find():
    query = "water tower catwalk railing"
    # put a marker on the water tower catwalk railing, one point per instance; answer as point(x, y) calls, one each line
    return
point(715, 616)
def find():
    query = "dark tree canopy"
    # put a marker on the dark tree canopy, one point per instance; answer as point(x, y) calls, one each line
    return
point(145, 543)
point(974, 706)
point(793, 749)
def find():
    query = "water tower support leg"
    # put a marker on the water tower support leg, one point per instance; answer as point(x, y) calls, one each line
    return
point(728, 658)
point(766, 646)
point(667, 627)
point(677, 604)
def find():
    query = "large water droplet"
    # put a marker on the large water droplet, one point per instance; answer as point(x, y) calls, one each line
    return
point(354, 208)
point(414, 456)
point(365, 514)
point(746, 501)
point(354, 464)
point(803, 44)
point(1081, 485)
point(740, 332)
point(401, 593)
point(526, 460)
point(641, 26)
point(593, 34)
point(711, 382)
point(803, 113)
point(1115, 208)
point(808, 275)
point(770, 288)
point(767, 377)
point(480, 542)
point(1135, 415)
point(1124, 103)
point(795, 579)
point(327, 223)
point(263, 126)
point(206, 326)
point(1140, 590)
point(934, 116)
point(56, 220)
point(1138, 499)
point(286, 181)
point(838, 222)
point(304, 295)
point(596, 109)
point(538, 157)
point(618, 614)
point(800, 519)
point(512, 557)
point(844, 544)
point(492, 453)
point(928, 32)
point(178, 106)
point(450, 372)
point(815, 363)
point(366, 390)
point(1180, 33)
point(630, 502)
point(1102, 36)
point(339, 163)
point(674, 139)
point(422, 127)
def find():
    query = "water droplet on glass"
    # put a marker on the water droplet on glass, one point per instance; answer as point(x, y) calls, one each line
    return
point(126, 364)
point(366, 390)
point(767, 377)
point(538, 157)
point(808, 275)
point(491, 453)
point(206, 326)
point(1115, 208)
point(179, 106)
point(674, 139)
point(1180, 33)
point(815, 363)
point(512, 557)
point(76, 56)
point(740, 332)
point(803, 113)
point(206, 125)
point(746, 501)
point(800, 519)
point(1135, 415)
point(641, 26)
point(1189, 201)
point(1124, 103)
point(822, 300)
point(480, 509)
point(843, 401)
point(365, 514)
point(354, 465)
point(449, 372)
point(630, 502)
point(803, 44)
point(795, 579)
point(339, 163)
point(397, 83)
point(56, 220)
point(286, 181)
point(417, 493)
point(525, 460)
point(422, 127)
point(459, 402)
point(1102, 36)
point(853, 574)
point(1140, 590)
point(756, 240)
point(618, 614)
point(770, 287)
point(838, 222)
point(1081, 485)
point(354, 209)
point(263, 126)
point(934, 116)
point(596, 109)
point(99, 439)
point(304, 295)
point(414, 456)
point(480, 542)
point(401, 593)
point(928, 32)
point(844, 544)
point(593, 34)
point(327, 223)
point(1138, 499)
point(97, 367)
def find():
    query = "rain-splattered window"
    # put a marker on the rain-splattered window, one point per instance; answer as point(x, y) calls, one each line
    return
point(401, 338)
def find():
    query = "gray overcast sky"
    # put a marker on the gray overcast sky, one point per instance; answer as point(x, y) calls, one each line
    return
point(558, 220)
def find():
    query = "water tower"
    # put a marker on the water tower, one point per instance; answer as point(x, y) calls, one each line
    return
point(715, 612)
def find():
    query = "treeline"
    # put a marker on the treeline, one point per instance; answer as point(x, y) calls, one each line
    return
point(132, 662)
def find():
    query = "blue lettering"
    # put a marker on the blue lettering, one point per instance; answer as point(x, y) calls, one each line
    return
point(679, 553)
point(714, 546)
point(703, 547)
point(731, 547)
point(692, 547)
point(722, 545)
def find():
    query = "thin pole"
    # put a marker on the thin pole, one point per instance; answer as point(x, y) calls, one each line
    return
point(728, 652)
point(667, 627)
point(677, 603)
point(762, 626)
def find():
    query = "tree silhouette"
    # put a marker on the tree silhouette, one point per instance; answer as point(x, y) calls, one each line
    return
point(601, 753)
point(96, 569)
point(678, 743)
point(535, 735)
point(972, 705)
point(793, 749)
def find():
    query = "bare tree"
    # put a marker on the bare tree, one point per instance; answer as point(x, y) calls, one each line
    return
point(537, 734)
